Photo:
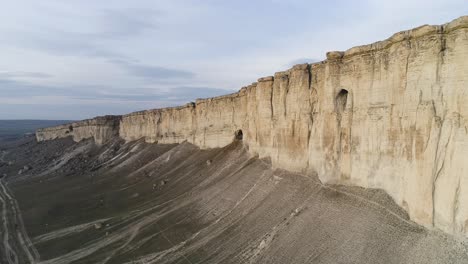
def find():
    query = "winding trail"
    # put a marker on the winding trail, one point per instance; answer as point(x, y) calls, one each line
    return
point(234, 209)
point(17, 247)
point(2, 156)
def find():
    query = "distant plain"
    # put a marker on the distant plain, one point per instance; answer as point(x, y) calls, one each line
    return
point(14, 129)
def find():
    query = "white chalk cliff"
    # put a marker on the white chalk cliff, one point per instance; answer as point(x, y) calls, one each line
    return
point(390, 115)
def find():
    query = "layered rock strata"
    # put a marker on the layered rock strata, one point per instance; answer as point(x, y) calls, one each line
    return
point(100, 128)
point(389, 115)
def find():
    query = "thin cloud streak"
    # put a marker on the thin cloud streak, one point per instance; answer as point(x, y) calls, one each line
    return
point(13, 75)
point(153, 72)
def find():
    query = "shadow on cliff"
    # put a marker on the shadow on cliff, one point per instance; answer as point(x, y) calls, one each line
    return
point(150, 203)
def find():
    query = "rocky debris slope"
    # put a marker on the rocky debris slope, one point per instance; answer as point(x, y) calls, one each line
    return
point(154, 203)
point(390, 115)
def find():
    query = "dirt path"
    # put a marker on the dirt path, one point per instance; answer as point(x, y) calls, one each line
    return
point(17, 247)
point(2, 155)
point(154, 203)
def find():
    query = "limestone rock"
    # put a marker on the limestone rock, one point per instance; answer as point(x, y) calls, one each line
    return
point(266, 79)
point(389, 115)
point(100, 128)
point(335, 55)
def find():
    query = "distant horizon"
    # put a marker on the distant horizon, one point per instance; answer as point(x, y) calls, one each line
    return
point(11, 129)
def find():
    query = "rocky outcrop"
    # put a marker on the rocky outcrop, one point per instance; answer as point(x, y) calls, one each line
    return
point(100, 128)
point(390, 115)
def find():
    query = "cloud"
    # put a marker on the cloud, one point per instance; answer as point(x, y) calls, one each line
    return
point(153, 72)
point(89, 34)
point(21, 89)
point(8, 75)
point(13, 75)
point(118, 23)
point(132, 55)
point(21, 99)
point(67, 44)
point(177, 95)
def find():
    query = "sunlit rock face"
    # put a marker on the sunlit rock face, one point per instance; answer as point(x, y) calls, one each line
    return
point(389, 115)
point(100, 128)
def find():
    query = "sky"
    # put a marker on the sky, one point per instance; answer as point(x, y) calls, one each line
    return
point(77, 59)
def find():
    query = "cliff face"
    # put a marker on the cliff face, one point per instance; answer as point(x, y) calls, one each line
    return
point(389, 115)
point(100, 128)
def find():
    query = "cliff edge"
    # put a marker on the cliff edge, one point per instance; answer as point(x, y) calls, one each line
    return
point(389, 115)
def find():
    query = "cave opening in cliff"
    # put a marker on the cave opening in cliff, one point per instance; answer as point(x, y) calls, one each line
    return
point(341, 100)
point(239, 135)
point(70, 128)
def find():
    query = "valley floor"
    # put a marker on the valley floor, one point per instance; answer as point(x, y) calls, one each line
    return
point(148, 203)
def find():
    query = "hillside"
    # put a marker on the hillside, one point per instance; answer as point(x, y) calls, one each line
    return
point(155, 203)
